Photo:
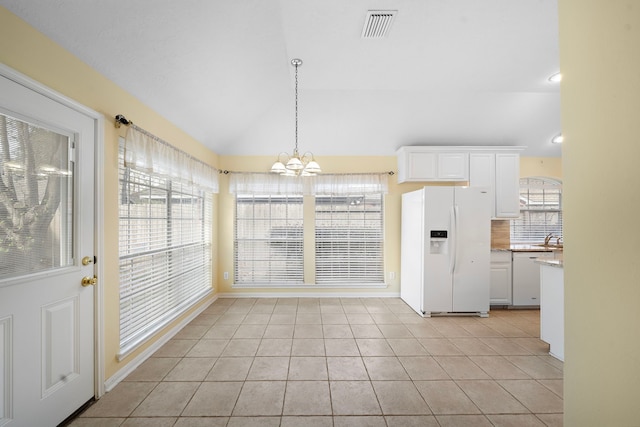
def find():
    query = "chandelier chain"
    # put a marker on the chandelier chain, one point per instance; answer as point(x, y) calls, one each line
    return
point(296, 107)
point(296, 164)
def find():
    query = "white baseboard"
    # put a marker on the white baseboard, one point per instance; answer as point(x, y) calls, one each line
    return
point(115, 379)
point(299, 294)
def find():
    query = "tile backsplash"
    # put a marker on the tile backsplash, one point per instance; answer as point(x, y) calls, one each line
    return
point(500, 234)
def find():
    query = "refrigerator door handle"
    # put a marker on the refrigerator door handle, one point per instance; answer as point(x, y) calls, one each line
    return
point(454, 244)
point(455, 238)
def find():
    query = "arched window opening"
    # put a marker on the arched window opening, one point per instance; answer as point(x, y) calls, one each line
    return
point(540, 211)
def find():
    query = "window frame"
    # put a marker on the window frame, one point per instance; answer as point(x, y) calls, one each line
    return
point(263, 268)
point(546, 193)
point(347, 235)
point(148, 301)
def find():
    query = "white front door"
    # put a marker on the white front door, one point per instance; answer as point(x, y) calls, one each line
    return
point(46, 229)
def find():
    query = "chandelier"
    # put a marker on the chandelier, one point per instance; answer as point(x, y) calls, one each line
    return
point(295, 164)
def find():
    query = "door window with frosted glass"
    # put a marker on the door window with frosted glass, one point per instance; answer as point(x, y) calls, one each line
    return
point(36, 198)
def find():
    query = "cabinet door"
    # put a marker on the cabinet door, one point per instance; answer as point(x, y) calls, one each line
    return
point(453, 166)
point(526, 278)
point(500, 279)
point(482, 169)
point(422, 166)
point(552, 309)
point(507, 185)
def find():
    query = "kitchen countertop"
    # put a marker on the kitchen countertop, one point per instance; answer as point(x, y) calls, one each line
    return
point(556, 261)
point(549, 255)
point(529, 248)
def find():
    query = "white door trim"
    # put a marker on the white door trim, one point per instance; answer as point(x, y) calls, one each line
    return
point(98, 119)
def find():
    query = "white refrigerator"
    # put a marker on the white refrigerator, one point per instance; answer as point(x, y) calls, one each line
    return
point(445, 250)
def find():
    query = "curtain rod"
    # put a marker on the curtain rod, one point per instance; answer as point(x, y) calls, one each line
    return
point(390, 173)
point(122, 120)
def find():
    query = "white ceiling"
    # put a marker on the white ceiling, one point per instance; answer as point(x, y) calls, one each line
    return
point(450, 72)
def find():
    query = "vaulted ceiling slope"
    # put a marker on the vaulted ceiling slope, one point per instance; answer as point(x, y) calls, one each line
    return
point(449, 72)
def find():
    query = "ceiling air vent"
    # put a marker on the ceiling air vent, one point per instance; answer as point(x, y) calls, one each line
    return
point(377, 23)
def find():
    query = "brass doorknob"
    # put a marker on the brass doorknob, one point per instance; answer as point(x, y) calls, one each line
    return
point(89, 281)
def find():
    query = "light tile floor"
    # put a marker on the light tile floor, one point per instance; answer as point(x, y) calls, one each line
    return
point(340, 362)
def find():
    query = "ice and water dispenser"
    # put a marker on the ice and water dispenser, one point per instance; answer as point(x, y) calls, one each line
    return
point(439, 243)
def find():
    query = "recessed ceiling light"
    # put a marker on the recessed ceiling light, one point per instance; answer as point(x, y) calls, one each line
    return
point(557, 139)
point(555, 78)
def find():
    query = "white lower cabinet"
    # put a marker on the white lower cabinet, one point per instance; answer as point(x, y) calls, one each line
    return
point(526, 279)
point(500, 278)
point(552, 309)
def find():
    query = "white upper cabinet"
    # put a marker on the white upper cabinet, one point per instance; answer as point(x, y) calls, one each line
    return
point(497, 168)
point(418, 167)
point(421, 163)
point(453, 166)
point(507, 185)
point(482, 173)
point(500, 173)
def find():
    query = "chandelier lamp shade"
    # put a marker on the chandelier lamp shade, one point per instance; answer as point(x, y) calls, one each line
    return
point(295, 164)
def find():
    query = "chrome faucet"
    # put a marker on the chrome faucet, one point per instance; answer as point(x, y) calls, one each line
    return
point(548, 238)
point(558, 240)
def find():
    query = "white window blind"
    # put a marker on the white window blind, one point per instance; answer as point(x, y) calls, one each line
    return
point(268, 239)
point(540, 210)
point(349, 238)
point(165, 252)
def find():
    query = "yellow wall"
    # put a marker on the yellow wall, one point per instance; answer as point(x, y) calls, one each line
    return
point(600, 107)
point(31, 53)
point(541, 166)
